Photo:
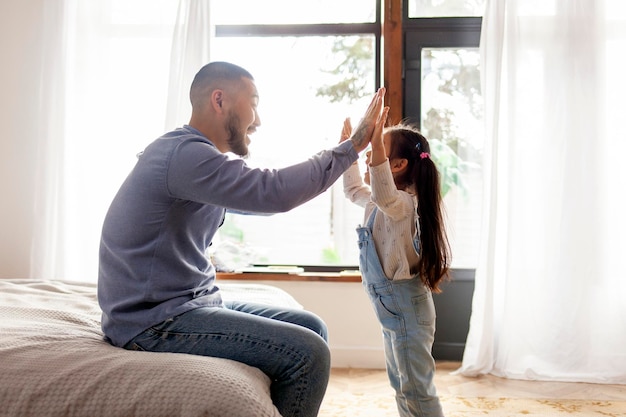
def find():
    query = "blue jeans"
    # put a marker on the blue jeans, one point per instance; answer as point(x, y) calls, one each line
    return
point(288, 345)
point(406, 312)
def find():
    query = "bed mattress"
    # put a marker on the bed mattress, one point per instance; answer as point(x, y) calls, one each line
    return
point(54, 361)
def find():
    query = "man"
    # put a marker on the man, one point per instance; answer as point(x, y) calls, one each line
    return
point(157, 288)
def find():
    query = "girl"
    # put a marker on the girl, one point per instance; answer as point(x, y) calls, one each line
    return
point(404, 255)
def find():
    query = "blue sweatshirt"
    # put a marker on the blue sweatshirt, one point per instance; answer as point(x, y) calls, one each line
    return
point(155, 234)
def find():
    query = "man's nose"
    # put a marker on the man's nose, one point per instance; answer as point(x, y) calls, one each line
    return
point(257, 120)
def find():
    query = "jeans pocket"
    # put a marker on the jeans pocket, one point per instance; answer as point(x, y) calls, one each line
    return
point(424, 309)
point(147, 340)
point(387, 311)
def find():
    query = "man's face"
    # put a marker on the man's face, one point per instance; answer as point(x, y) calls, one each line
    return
point(242, 118)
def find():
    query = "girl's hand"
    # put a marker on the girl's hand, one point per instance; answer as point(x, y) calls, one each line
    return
point(379, 153)
point(363, 132)
point(346, 131)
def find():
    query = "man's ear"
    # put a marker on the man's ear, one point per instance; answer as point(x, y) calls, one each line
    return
point(398, 164)
point(216, 100)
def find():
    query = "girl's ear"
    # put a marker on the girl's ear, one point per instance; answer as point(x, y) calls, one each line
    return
point(398, 164)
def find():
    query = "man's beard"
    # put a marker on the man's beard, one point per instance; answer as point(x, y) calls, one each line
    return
point(236, 138)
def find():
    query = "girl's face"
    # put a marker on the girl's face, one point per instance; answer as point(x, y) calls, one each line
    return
point(387, 143)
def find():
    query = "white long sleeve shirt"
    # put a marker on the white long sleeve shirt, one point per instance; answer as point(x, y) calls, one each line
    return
point(395, 222)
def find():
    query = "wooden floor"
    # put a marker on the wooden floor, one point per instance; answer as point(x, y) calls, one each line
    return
point(375, 381)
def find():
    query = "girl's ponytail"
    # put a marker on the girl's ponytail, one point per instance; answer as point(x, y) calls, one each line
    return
point(435, 249)
point(422, 175)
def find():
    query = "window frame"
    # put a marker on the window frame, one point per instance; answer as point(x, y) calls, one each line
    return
point(441, 32)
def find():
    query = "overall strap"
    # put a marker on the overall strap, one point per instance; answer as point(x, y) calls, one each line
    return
point(370, 220)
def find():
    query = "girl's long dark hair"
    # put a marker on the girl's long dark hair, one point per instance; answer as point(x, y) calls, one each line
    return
point(422, 175)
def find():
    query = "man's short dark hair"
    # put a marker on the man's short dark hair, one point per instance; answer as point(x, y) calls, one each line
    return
point(213, 74)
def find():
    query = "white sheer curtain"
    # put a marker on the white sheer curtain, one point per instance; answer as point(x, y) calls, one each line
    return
point(550, 287)
point(105, 81)
point(190, 51)
point(48, 219)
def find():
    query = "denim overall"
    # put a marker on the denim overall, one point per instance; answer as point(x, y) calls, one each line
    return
point(406, 313)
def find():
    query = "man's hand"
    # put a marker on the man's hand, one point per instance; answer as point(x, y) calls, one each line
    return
point(363, 133)
point(346, 131)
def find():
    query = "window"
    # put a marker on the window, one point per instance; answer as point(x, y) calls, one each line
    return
point(442, 95)
point(451, 116)
point(311, 73)
point(300, 61)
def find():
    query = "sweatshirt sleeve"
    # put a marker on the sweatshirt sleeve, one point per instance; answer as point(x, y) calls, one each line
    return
point(199, 172)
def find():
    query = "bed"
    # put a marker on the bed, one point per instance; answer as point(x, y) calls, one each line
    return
point(54, 361)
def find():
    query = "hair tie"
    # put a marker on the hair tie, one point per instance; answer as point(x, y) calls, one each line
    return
point(424, 155)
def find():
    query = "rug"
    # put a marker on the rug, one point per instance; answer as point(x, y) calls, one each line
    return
point(354, 405)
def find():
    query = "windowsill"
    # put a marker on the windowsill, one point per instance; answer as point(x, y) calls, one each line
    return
point(303, 276)
point(457, 274)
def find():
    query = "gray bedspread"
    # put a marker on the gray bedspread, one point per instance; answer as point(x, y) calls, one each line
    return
point(54, 362)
